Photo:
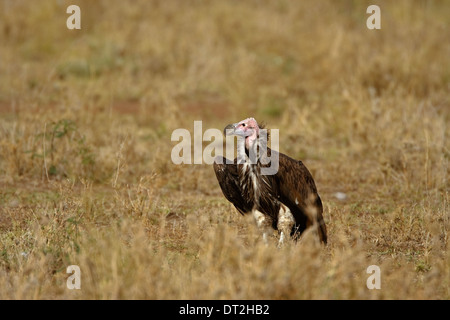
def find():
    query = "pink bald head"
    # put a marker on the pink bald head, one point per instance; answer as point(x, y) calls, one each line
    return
point(247, 128)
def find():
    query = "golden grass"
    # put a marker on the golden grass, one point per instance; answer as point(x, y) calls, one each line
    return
point(85, 169)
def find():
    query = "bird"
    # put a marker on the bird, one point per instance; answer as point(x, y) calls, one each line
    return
point(284, 199)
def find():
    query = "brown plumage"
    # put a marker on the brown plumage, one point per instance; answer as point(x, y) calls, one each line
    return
point(285, 200)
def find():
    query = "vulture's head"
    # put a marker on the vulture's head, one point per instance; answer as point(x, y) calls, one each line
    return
point(247, 129)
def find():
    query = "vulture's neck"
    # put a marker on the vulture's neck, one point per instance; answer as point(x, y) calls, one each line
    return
point(252, 151)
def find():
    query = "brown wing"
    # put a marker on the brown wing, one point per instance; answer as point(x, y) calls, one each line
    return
point(228, 176)
point(298, 191)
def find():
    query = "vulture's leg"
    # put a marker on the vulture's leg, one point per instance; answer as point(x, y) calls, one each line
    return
point(264, 224)
point(285, 223)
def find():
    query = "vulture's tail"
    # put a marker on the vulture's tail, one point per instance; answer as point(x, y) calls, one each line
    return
point(310, 215)
point(322, 228)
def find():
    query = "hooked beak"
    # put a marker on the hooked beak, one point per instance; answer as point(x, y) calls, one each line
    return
point(229, 130)
point(235, 130)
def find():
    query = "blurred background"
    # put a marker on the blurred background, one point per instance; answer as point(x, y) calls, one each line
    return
point(312, 69)
point(93, 109)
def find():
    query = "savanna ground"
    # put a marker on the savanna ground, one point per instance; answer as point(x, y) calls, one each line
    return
point(86, 118)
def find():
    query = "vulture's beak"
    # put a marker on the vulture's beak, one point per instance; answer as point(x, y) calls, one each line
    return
point(229, 129)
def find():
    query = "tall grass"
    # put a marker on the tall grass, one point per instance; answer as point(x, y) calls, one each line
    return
point(86, 118)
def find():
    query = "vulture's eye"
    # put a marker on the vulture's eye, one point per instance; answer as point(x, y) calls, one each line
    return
point(244, 124)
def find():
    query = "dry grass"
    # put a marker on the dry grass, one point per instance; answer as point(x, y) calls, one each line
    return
point(85, 169)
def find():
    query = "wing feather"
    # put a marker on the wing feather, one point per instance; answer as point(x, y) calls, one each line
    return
point(298, 191)
point(228, 176)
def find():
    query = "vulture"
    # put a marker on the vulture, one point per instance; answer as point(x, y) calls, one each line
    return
point(284, 199)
